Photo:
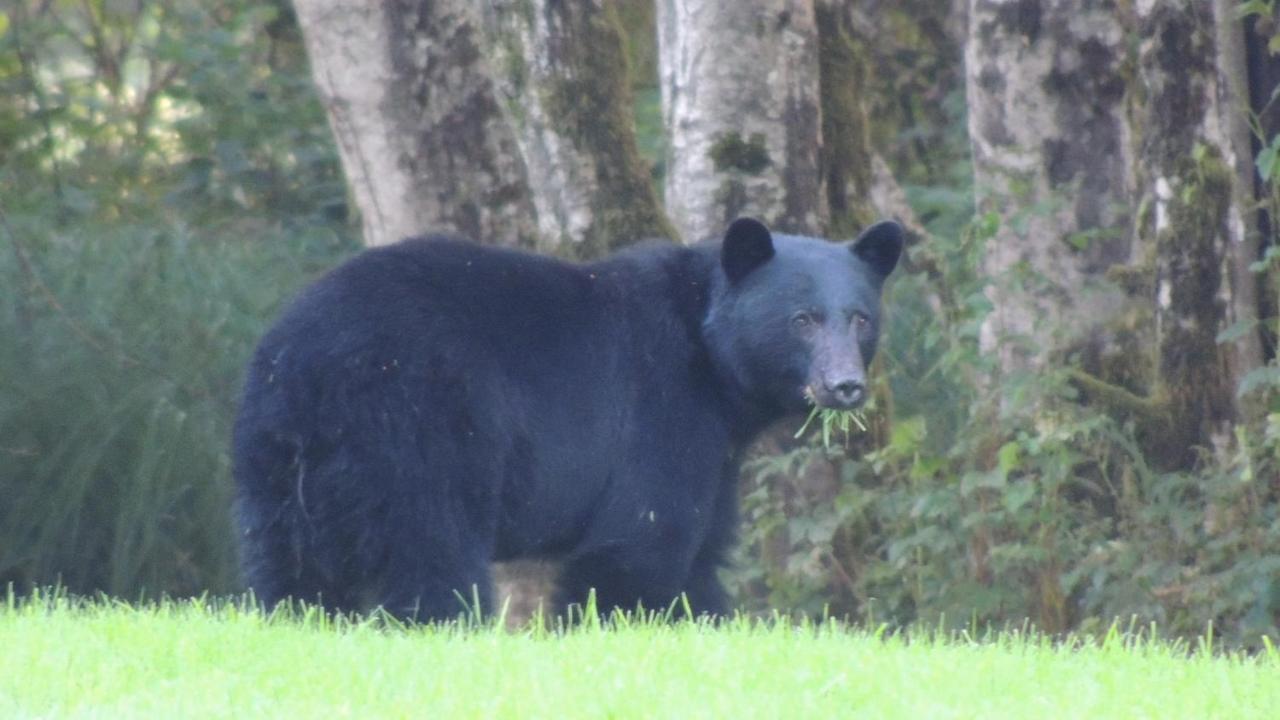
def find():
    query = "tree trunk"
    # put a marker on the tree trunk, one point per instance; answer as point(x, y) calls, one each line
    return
point(1244, 240)
point(562, 79)
point(1188, 184)
point(1046, 122)
point(508, 122)
point(1133, 164)
point(740, 98)
point(845, 150)
point(422, 138)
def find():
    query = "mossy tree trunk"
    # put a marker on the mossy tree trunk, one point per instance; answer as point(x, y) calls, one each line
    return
point(1246, 302)
point(561, 75)
point(845, 153)
point(1110, 139)
point(740, 84)
point(740, 98)
point(508, 122)
point(1191, 182)
point(1046, 127)
point(423, 141)
point(1046, 123)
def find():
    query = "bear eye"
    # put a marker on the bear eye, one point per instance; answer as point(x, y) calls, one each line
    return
point(803, 319)
point(861, 320)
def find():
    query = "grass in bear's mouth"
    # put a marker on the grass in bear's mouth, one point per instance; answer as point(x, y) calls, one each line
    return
point(835, 420)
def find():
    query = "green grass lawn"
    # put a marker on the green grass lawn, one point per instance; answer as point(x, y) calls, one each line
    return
point(68, 659)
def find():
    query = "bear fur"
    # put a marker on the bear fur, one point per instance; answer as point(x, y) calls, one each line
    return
point(433, 406)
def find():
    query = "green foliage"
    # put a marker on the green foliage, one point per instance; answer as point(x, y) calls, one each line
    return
point(916, 91)
point(637, 23)
point(166, 178)
point(1263, 124)
point(117, 395)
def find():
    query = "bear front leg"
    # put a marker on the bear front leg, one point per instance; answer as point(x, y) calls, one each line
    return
point(623, 585)
point(621, 580)
point(704, 592)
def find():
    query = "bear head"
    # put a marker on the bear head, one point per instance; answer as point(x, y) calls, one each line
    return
point(794, 321)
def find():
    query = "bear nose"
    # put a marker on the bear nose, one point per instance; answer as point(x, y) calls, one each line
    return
point(848, 392)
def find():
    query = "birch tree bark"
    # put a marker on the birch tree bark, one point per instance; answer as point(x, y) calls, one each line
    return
point(423, 141)
point(740, 97)
point(1046, 123)
point(562, 80)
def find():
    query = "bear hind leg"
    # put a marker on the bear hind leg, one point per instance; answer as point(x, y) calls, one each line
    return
point(439, 589)
point(276, 573)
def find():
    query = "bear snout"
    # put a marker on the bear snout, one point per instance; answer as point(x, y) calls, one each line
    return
point(848, 393)
point(837, 375)
point(839, 393)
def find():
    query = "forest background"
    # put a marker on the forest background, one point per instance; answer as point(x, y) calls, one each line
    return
point(1077, 415)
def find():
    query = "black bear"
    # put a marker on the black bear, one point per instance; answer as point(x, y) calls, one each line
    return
point(435, 405)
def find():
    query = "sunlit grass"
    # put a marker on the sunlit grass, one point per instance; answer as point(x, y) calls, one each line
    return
point(65, 658)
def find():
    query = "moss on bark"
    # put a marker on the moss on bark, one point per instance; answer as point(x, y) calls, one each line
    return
point(1178, 283)
point(1190, 400)
point(1192, 367)
point(731, 152)
point(846, 138)
point(591, 100)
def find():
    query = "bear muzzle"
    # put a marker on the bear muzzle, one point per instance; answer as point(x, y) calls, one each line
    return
point(847, 393)
point(838, 375)
point(839, 392)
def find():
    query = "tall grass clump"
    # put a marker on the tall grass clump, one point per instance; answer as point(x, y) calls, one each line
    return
point(160, 198)
point(118, 381)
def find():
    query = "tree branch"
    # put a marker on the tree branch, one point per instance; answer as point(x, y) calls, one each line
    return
point(107, 64)
point(27, 68)
point(1153, 409)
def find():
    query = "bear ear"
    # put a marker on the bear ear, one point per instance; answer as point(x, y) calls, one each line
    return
point(747, 245)
point(880, 246)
